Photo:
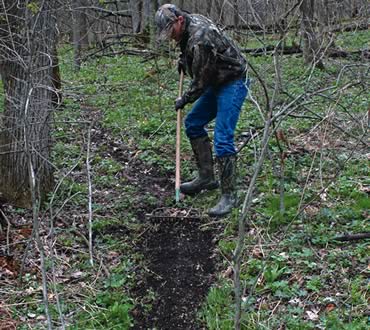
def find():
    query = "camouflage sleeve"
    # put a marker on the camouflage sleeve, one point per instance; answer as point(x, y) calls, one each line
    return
point(202, 67)
point(181, 63)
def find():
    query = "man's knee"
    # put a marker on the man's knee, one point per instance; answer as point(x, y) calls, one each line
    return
point(189, 127)
point(224, 144)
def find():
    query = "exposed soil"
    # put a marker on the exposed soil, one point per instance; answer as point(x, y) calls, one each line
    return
point(179, 256)
point(180, 269)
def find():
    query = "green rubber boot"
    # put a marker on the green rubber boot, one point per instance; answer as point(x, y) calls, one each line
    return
point(206, 179)
point(227, 168)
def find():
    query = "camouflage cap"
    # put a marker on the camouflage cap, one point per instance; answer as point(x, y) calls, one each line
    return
point(164, 18)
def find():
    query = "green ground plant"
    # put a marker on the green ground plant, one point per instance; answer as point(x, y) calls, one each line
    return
point(292, 268)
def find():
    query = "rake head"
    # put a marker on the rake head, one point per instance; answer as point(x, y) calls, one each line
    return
point(173, 214)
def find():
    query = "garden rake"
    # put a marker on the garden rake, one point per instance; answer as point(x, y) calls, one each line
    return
point(178, 139)
point(175, 213)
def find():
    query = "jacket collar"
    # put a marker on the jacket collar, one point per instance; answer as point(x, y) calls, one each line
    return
point(185, 37)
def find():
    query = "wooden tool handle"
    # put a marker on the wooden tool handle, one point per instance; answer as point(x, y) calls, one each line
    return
point(178, 138)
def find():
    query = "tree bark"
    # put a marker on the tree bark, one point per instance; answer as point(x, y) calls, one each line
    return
point(195, 6)
point(136, 7)
point(149, 9)
point(352, 237)
point(218, 6)
point(209, 7)
point(27, 41)
point(80, 34)
point(236, 14)
point(311, 49)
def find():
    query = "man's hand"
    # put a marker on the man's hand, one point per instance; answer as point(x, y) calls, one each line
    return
point(180, 103)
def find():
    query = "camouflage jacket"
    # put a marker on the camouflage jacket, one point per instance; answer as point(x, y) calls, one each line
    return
point(211, 58)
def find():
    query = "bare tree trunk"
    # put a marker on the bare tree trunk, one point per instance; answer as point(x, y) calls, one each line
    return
point(311, 49)
point(326, 13)
point(80, 30)
point(195, 6)
point(56, 79)
point(209, 7)
point(218, 6)
point(136, 7)
point(146, 15)
point(27, 58)
point(149, 9)
point(236, 14)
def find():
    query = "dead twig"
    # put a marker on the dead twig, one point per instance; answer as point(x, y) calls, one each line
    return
point(7, 231)
point(35, 211)
point(352, 237)
point(88, 169)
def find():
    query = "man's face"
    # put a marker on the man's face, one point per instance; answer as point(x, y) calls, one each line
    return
point(177, 29)
point(170, 26)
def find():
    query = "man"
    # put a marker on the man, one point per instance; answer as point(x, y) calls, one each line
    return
point(218, 86)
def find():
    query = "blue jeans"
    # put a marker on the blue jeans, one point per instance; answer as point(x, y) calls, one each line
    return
point(224, 104)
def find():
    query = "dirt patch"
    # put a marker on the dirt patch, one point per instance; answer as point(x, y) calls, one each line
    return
point(178, 256)
point(181, 263)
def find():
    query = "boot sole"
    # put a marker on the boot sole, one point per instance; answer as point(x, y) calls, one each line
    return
point(218, 215)
point(210, 186)
point(212, 212)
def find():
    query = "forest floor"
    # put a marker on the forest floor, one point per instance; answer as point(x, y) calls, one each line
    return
point(179, 255)
point(152, 273)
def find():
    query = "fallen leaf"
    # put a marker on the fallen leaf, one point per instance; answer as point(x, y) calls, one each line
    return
point(324, 195)
point(228, 272)
point(9, 266)
point(295, 301)
point(25, 232)
point(365, 188)
point(29, 291)
point(78, 274)
point(51, 296)
point(257, 252)
point(313, 315)
point(7, 325)
point(330, 307)
point(113, 254)
point(311, 211)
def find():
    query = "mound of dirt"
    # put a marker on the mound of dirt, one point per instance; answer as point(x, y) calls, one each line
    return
point(181, 264)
